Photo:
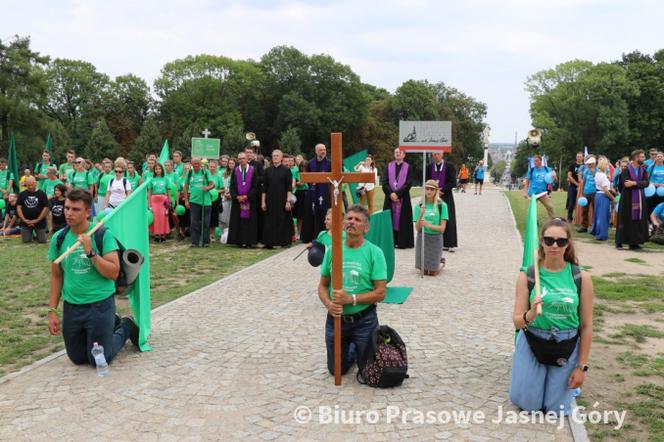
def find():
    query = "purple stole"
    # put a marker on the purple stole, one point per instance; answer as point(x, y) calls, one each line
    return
point(636, 175)
point(396, 183)
point(438, 176)
point(243, 188)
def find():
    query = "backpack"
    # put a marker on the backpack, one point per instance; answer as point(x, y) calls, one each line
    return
point(384, 363)
point(121, 281)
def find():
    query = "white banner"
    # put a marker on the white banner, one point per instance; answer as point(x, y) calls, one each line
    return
point(425, 136)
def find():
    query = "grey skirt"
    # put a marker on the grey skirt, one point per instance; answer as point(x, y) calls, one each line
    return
point(433, 250)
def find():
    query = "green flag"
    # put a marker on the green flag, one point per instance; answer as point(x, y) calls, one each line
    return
point(165, 154)
point(380, 233)
point(48, 146)
point(530, 240)
point(349, 165)
point(12, 164)
point(129, 224)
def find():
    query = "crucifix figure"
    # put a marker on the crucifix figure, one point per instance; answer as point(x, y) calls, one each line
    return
point(206, 132)
point(335, 177)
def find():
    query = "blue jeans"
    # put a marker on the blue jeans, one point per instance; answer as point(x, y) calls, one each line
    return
point(357, 332)
point(195, 223)
point(536, 386)
point(84, 324)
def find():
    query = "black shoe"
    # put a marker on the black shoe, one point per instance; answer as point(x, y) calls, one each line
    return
point(131, 328)
point(619, 246)
point(582, 230)
point(117, 323)
point(634, 247)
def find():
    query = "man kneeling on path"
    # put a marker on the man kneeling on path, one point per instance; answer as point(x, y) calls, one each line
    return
point(86, 281)
point(364, 281)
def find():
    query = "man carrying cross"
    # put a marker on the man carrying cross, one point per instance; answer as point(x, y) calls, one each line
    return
point(354, 268)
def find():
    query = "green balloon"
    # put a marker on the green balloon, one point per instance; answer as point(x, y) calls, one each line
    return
point(2, 204)
point(617, 198)
point(150, 217)
point(217, 232)
point(214, 195)
point(179, 210)
point(174, 194)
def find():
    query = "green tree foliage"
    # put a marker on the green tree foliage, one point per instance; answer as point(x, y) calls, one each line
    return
point(22, 89)
point(497, 170)
point(102, 144)
point(290, 141)
point(149, 140)
point(126, 107)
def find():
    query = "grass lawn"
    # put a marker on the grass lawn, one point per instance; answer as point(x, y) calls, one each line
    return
point(175, 271)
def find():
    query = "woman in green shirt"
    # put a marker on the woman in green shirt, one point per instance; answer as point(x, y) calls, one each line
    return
point(159, 197)
point(552, 348)
point(132, 176)
point(430, 219)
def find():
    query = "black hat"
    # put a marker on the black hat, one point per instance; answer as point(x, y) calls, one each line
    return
point(316, 253)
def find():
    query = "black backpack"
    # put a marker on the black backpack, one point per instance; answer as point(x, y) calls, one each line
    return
point(121, 281)
point(384, 363)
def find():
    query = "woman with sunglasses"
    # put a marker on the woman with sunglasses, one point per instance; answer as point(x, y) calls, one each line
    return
point(430, 221)
point(118, 188)
point(551, 354)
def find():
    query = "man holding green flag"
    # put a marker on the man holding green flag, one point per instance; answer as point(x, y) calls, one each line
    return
point(85, 279)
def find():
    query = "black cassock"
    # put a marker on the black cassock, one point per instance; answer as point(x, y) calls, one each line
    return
point(403, 238)
point(277, 222)
point(316, 202)
point(243, 232)
point(629, 231)
point(447, 184)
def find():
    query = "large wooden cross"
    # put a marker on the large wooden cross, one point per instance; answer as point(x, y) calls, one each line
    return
point(335, 178)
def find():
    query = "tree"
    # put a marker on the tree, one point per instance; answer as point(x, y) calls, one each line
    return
point(101, 144)
point(497, 171)
point(290, 141)
point(415, 101)
point(126, 108)
point(22, 89)
point(149, 140)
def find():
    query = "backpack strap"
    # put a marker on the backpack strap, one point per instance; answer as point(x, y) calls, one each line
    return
point(124, 185)
point(99, 239)
point(61, 238)
point(576, 274)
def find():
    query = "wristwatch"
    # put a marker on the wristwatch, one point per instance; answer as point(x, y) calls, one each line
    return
point(92, 254)
point(584, 367)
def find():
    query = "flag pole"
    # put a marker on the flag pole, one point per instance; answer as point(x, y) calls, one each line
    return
point(424, 202)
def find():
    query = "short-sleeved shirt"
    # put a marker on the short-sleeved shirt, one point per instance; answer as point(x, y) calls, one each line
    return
point(479, 173)
point(536, 182)
point(133, 180)
point(147, 174)
point(196, 181)
point(218, 181)
point(656, 174)
point(602, 181)
point(159, 185)
point(574, 170)
point(64, 170)
point(659, 211)
point(648, 162)
point(178, 169)
point(32, 204)
point(5, 176)
point(81, 180)
point(49, 186)
point(57, 209)
point(103, 181)
point(82, 283)
point(560, 300)
point(433, 214)
point(361, 267)
point(588, 181)
point(325, 238)
point(118, 189)
point(40, 169)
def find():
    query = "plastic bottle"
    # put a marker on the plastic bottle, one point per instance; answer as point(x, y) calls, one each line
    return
point(100, 360)
point(576, 392)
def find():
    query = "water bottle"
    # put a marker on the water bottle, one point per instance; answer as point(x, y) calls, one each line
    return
point(576, 392)
point(100, 360)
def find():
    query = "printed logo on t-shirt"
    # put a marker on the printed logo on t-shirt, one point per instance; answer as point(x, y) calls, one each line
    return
point(31, 202)
point(57, 210)
point(559, 303)
point(351, 275)
point(80, 263)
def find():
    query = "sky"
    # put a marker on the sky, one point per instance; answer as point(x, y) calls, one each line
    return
point(487, 49)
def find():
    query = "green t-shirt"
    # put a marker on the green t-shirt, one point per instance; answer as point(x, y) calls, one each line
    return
point(133, 180)
point(178, 169)
point(432, 215)
point(560, 308)
point(5, 176)
point(147, 174)
point(82, 180)
point(103, 183)
point(95, 175)
point(64, 169)
point(218, 181)
point(82, 283)
point(196, 181)
point(361, 267)
point(325, 238)
point(296, 176)
point(49, 186)
point(159, 185)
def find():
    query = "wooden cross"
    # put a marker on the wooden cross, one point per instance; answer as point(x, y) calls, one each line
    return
point(335, 178)
point(206, 132)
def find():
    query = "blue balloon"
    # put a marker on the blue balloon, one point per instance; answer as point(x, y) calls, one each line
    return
point(660, 191)
point(107, 211)
point(548, 178)
point(583, 201)
point(650, 190)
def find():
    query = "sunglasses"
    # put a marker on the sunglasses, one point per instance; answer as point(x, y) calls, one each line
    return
point(119, 171)
point(78, 162)
point(549, 241)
